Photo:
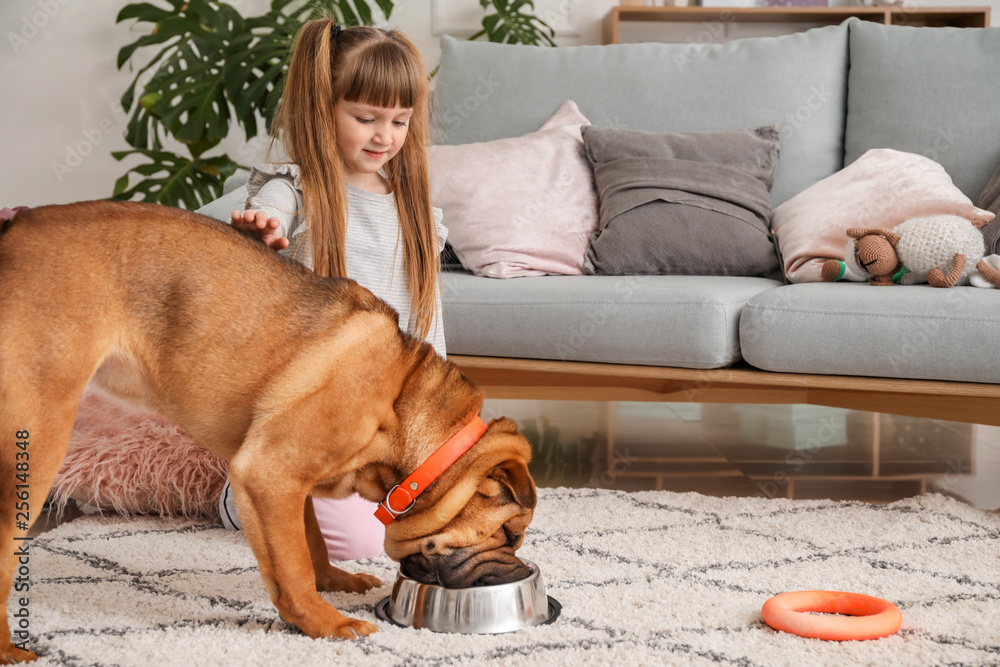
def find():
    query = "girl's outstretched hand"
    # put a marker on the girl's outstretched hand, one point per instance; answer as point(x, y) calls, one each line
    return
point(256, 223)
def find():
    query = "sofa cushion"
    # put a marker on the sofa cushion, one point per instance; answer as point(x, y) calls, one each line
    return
point(489, 91)
point(523, 206)
point(931, 91)
point(916, 331)
point(684, 321)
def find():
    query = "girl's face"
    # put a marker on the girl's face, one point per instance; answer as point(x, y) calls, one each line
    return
point(368, 137)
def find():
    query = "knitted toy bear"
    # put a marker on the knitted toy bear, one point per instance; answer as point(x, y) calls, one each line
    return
point(943, 250)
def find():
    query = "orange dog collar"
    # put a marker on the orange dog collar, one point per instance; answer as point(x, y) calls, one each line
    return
point(404, 494)
point(870, 617)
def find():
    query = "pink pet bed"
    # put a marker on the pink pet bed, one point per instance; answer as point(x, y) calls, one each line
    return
point(128, 459)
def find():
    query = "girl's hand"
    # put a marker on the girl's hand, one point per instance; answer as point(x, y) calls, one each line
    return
point(256, 223)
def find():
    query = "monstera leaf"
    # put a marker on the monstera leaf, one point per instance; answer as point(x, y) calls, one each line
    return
point(212, 67)
point(174, 180)
point(511, 24)
point(184, 97)
point(257, 59)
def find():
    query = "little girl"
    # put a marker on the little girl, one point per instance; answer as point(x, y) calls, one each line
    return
point(353, 201)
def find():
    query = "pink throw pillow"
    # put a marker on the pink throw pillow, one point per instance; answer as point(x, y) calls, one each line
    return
point(523, 206)
point(882, 188)
point(128, 459)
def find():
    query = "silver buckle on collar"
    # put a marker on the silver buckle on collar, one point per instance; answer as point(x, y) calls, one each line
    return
point(388, 508)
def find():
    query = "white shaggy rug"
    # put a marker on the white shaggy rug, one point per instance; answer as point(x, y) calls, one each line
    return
point(651, 578)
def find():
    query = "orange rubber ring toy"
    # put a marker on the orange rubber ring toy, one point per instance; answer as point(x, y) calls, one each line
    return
point(872, 617)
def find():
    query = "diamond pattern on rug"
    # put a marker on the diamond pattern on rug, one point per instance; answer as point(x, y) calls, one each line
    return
point(651, 578)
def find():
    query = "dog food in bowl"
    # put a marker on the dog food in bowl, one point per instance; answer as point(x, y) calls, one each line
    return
point(477, 610)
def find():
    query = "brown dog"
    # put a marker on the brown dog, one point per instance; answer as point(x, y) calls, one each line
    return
point(306, 385)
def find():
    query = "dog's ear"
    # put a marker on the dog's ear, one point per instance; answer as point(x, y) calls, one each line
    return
point(514, 475)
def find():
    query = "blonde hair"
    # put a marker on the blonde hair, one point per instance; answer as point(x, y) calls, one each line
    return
point(370, 66)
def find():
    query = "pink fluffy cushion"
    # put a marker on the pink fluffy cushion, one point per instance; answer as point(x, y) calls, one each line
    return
point(882, 188)
point(523, 206)
point(128, 459)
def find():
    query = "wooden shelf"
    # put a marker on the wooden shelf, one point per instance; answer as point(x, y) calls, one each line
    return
point(957, 17)
point(742, 454)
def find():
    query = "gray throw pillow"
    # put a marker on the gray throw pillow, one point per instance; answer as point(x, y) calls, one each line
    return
point(688, 203)
point(990, 200)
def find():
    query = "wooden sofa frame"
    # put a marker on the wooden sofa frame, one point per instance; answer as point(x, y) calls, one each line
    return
point(969, 402)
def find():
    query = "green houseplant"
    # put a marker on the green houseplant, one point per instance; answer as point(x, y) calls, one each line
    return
point(213, 67)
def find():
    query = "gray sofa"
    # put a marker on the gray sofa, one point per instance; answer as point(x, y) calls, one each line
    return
point(834, 92)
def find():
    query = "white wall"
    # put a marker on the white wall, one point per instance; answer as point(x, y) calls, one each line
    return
point(60, 118)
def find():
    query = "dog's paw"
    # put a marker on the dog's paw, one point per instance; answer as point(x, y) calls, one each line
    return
point(357, 583)
point(365, 582)
point(335, 579)
point(352, 628)
point(11, 655)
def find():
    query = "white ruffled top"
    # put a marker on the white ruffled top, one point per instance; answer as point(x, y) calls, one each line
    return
point(373, 247)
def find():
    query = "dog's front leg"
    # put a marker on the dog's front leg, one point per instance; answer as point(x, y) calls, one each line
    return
point(271, 507)
point(328, 577)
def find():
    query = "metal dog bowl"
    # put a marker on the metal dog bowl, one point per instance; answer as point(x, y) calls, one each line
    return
point(477, 610)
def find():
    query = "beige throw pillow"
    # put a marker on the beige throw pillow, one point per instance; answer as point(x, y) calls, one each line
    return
point(523, 206)
point(882, 188)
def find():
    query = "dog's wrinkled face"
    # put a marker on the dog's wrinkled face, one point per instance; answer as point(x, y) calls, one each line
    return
point(463, 531)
